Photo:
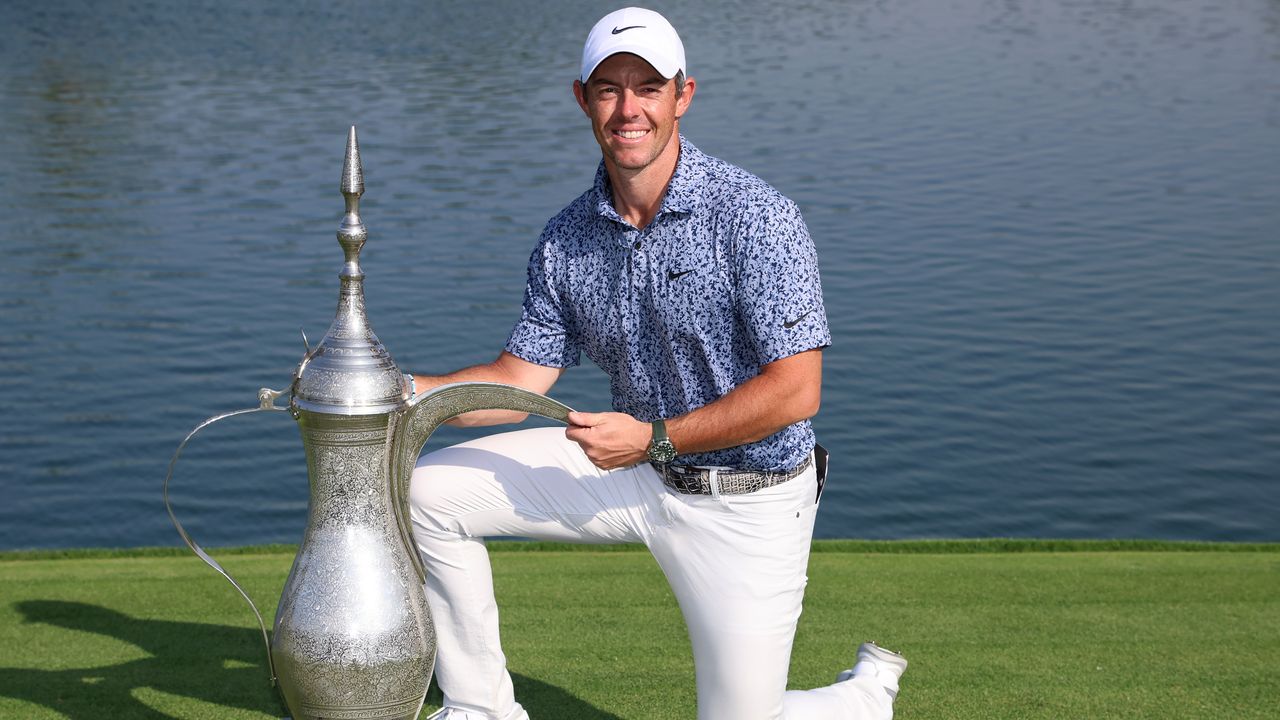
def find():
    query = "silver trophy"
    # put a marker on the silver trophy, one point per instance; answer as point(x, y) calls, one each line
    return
point(353, 636)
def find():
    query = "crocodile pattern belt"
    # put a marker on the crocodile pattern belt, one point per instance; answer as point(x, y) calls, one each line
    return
point(697, 481)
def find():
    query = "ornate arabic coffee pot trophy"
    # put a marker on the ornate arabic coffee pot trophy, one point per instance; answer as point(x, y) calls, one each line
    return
point(353, 636)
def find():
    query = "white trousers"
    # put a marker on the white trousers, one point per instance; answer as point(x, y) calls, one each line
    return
point(736, 564)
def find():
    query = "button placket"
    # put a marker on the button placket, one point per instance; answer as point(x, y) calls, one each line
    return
point(640, 290)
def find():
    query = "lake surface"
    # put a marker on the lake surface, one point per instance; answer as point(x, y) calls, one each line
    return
point(1049, 235)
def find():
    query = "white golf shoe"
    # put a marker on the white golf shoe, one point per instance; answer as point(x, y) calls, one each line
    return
point(883, 665)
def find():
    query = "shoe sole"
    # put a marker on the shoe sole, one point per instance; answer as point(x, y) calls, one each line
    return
point(879, 653)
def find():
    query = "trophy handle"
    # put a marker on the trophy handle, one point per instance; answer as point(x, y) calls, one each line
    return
point(411, 426)
point(266, 397)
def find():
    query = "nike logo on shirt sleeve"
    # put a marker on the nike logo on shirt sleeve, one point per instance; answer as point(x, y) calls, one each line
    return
point(792, 323)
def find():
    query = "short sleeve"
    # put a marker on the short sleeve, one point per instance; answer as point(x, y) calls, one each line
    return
point(779, 288)
point(542, 335)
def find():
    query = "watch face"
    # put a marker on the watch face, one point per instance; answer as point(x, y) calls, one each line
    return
point(662, 451)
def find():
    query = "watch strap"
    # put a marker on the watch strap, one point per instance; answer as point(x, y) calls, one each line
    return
point(659, 431)
point(661, 449)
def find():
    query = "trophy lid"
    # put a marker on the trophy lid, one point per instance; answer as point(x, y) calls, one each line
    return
point(350, 372)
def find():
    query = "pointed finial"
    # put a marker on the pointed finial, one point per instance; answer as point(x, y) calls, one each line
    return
point(351, 233)
point(352, 173)
point(349, 372)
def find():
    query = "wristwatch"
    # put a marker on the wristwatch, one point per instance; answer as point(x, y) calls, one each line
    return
point(661, 449)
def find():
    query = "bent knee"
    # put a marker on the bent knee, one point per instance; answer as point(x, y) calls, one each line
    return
point(446, 485)
point(432, 490)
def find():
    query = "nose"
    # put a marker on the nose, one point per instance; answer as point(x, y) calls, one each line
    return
point(628, 104)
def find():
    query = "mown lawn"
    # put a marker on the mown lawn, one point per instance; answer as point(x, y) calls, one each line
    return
point(1020, 629)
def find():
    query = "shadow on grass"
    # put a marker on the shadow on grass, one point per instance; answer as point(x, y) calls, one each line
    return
point(212, 663)
point(217, 664)
point(543, 701)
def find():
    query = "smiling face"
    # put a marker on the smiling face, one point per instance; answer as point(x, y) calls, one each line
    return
point(635, 113)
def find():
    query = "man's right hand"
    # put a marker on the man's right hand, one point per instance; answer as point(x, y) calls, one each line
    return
point(610, 439)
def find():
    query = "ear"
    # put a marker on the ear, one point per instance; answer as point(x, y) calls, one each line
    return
point(580, 94)
point(682, 105)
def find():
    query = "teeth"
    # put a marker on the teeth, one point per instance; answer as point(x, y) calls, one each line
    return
point(633, 134)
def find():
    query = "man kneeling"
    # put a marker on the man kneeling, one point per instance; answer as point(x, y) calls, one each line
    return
point(694, 285)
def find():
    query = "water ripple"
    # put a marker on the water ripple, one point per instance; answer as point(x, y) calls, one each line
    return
point(1046, 229)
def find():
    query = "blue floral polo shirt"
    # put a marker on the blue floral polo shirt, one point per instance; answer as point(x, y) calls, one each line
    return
point(722, 281)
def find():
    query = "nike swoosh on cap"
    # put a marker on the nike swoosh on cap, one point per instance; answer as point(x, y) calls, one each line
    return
point(629, 27)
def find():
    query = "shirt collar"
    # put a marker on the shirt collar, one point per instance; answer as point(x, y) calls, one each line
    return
point(682, 192)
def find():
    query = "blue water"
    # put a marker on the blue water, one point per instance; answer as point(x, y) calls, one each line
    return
point(1048, 234)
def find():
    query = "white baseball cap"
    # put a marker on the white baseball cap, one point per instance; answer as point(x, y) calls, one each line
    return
point(637, 31)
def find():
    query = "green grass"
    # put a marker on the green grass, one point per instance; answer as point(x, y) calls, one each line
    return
point(993, 629)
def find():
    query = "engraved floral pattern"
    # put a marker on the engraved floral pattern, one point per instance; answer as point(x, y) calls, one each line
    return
point(353, 635)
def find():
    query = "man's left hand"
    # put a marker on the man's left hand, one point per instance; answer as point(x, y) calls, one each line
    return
point(611, 440)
